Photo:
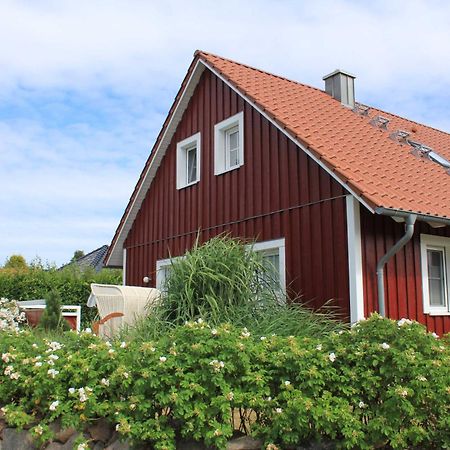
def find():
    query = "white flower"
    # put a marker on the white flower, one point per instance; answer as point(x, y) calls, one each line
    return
point(53, 346)
point(111, 351)
point(87, 331)
point(200, 320)
point(108, 344)
point(435, 335)
point(230, 396)
point(118, 427)
point(105, 382)
point(278, 410)
point(15, 376)
point(385, 346)
point(403, 393)
point(82, 394)
point(421, 378)
point(217, 365)
point(340, 331)
point(245, 333)
point(8, 370)
point(319, 347)
point(71, 390)
point(262, 338)
point(5, 357)
point(34, 345)
point(269, 399)
point(52, 372)
point(54, 405)
point(132, 406)
point(332, 357)
point(54, 357)
point(50, 362)
point(83, 446)
point(403, 322)
point(162, 358)
point(213, 331)
point(287, 383)
point(38, 364)
point(362, 405)
point(123, 344)
point(38, 430)
point(126, 375)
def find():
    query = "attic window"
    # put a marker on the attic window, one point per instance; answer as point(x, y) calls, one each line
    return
point(188, 161)
point(229, 144)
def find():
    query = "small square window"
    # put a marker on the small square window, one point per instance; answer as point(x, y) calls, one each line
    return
point(435, 255)
point(188, 161)
point(229, 144)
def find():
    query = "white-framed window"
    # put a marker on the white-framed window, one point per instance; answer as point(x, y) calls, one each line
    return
point(274, 257)
point(229, 144)
point(188, 161)
point(163, 268)
point(435, 262)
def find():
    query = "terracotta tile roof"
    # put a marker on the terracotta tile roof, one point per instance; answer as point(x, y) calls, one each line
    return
point(381, 170)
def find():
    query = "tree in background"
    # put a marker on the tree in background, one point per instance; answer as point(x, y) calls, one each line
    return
point(16, 262)
point(77, 254)
point(52, 318)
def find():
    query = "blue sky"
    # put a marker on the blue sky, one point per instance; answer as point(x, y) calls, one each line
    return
point(85, 87)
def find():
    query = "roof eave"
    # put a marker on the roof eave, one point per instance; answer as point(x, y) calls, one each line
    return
point(401, 214)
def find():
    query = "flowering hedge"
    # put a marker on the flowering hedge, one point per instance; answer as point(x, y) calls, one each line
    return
point(382, 383)
point(10, 315)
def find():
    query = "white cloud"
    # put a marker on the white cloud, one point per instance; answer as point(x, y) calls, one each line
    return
point(85, 86)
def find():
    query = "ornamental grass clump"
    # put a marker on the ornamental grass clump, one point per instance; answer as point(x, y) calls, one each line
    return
point(224, 281)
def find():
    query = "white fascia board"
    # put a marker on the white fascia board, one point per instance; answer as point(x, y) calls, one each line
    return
point(116, 255)
point(299, 144)
point(355, 272)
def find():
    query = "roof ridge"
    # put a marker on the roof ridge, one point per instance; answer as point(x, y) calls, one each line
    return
point(201, 52)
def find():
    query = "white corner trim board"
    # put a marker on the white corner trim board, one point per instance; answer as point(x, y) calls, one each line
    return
point(354, 259)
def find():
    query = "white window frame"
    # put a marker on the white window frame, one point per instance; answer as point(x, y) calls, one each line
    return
point(270, 246)
point(160, 274)
point(428, 241)
point(182, 170)
point(221, 161)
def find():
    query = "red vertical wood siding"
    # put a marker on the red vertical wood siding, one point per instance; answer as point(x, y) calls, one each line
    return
point(403, 275)
point(279, 192)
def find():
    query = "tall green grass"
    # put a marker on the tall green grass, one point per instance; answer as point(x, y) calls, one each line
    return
point(223, 280)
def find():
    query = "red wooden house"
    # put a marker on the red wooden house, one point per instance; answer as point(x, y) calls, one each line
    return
point(328, 187)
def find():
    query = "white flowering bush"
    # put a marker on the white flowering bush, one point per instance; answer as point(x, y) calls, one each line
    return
point(10, 315)
point(380, 384)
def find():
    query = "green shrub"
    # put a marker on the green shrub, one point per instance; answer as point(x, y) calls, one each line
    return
point(52, 318)
point(380, 384)
point(72, 285)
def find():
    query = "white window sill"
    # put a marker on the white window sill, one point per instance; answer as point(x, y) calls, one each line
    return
point(229, 170)
point(438, 313)
point(187, 185)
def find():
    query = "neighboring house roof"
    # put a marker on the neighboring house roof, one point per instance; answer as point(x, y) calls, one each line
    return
point(367, 160)
point(94, 259)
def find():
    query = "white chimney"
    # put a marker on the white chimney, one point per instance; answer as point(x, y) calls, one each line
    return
point(341, 86)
